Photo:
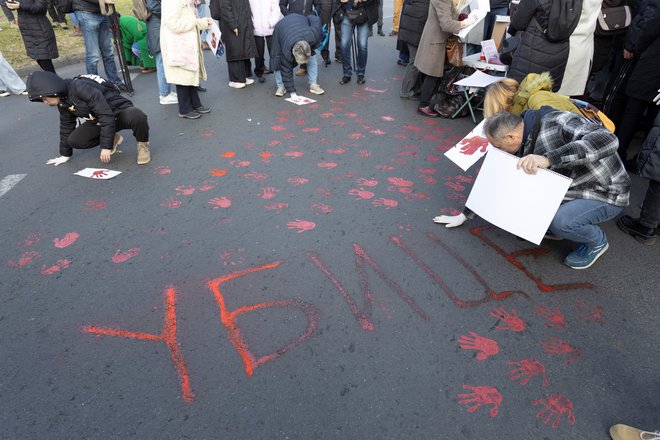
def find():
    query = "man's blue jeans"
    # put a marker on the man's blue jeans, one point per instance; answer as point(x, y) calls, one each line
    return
point(362, 31)
point(96, 34)
point(312, 72)
point(164, 88)
point(577, 220)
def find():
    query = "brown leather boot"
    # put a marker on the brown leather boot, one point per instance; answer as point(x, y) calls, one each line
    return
point(143, 154)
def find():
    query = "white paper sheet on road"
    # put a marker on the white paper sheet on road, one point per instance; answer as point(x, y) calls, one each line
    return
point(520, 203)
point(470, 149)
point(478, 79)
point(97, 173)
point(301, 100)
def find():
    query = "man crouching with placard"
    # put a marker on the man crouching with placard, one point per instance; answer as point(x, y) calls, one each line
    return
point(100, 103)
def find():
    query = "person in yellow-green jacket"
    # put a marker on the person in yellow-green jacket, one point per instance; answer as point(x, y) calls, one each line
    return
point(134, 37)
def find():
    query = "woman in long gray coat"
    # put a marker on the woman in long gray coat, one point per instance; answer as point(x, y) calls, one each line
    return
point(37, 32)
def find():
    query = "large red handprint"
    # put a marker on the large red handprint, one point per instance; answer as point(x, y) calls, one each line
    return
point(301, 225)
point(268, 193)
point(469, 146)
point(555, 318)
point(557, 346)
point(361, 194)
point(526, 369)
point(486, 347)
point(67, 240)
point(387, 203)
point(100, 173)
point(121, 256)
point(25, 259)
point(481, 396)
point(512, 320)
point(556, 405)
point(220, 202)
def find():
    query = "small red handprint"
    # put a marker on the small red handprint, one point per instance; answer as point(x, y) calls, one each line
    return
point(366, 182)
point(276, 206)
point(294, 154)
point(322, 208)
point(297, 180)
point(398, 181)
point(526, 369)
point(338, 150)
point(121, 256)
point(208, 185)
point(268, 193)
point(469, 146)
point(480, 396)
point(326, 165)
point(185, 190)
point(556, 405)
point(99, 173)
point(301, 225)
point(67, 240)
point(486, 347)
point(25, 259)
point(555, 319)
point(361, 194)
point(557, 346)
point(31, 239)
point(171, 202)
point(61, 264)
point(255, 176)
point(512, 320)
point(387, 203)
point(220, 202)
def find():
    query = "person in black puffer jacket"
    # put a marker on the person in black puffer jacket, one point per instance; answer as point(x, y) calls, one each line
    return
point(535, 53)
point(411, 25)
point(98, 101)
point(37, 32)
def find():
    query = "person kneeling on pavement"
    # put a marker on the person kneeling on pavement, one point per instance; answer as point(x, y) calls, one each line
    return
point(577, 148)
point(100, 103)
point(294, 39)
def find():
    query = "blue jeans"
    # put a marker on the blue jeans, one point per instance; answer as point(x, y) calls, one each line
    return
point(73, 16)
point(96, 34)
point(362, 31)
point(9, 80)
point(164, 88)
point(576, 220)
point(312, 72)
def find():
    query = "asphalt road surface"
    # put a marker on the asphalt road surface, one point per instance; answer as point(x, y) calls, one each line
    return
point(274, 273)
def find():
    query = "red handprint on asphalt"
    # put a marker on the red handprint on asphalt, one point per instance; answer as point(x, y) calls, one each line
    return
point(301, 225)
point(276, 206)
point(268, 193)
point(556, 405)
point(589, 313)
point(387, 203)
point(366, 182)
point(67, 240)
point(100, 173)
point(322, 208)
point(361, 194)
point(94, 205)
point(398, 181)
point(486, 347)
point(481, 396)
point(185, 190)
point(557, 346)
point(220, 202)
point(469, 146)
point(526, 369)
point(26, 258)
point(297, 180)
point(555, 319)
point(513, 321)
point(172, 203)
point(121, 256)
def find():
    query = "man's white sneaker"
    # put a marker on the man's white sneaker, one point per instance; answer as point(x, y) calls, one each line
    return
point(249, 81)
point(169, 99)
point(281, 91)
point(236, 85)
point(316, 89)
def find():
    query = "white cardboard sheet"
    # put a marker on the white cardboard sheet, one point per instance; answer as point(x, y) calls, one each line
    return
point(478, 79)
point(520, 203)
point(480, 14)
point(97, 173)
point(301, 100)
point(213, 36)
point(470, 149)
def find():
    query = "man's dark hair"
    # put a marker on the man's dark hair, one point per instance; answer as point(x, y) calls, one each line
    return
point(500, 124)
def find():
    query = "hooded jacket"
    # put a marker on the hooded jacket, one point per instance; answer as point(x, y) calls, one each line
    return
point(535, 91)
point(87, 96)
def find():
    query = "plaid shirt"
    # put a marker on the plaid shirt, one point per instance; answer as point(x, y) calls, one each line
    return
point(585, 152)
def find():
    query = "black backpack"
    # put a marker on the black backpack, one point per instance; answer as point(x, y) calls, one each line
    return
point(563, 19)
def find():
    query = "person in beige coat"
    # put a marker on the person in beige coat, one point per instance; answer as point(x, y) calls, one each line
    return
point(181, 47)
point(442, 21)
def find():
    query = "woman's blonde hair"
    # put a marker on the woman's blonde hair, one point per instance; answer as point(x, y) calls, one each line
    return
point(499, 96)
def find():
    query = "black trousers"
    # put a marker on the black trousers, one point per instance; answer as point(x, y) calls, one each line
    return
point(239, 70)
point(259, 65)
point(630, 122)
point(88, 134)
point(429, 87)
point(46, 65)
point(188, 98)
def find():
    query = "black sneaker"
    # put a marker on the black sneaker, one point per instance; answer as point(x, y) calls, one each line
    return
point(641, 233)
point(338, 58)
point(201, 89)
point(327, 61)
point(344, 80)
point(361, 79)
point(203, 110)
point(261, 79)
point(191, 115)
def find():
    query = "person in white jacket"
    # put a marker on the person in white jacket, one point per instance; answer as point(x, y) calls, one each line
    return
point(265, 15)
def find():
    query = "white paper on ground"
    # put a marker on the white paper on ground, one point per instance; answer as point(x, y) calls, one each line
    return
point(520, 203)
point(213, 35)
point(480, 14)
point(478, 79)
point(97, 173)
point(301, 100)
point(470, 149)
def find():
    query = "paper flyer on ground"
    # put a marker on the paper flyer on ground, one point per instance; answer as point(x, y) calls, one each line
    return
point(470, 149)
point(300, 100)
point(520, 203)
point(97, 173)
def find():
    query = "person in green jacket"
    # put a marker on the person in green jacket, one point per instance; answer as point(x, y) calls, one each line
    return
point(134, 37)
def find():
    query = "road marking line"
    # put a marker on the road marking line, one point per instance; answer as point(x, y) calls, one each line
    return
point(9, 182)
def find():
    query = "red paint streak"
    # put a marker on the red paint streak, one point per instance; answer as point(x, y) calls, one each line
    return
point(364, 153)
point(163, 170)
point(314, 106)
point(228, 319)
point(512, 258)
point(207, 133)
point(486, 347)
point(58, 266)
point(481, 396)
point(31, 239)
point(589, 313)
point(387, 118)
point(94, 205)
point(278, 128)
point(557, 346)
point(526, 369)
point(363, 315)
point(268, 193)
point(220, 202)
point(294, 154)
point(324, 192)
point(400, 136)
point(555, 318)
point(426, 170)
point(25, 259)
point(311, 129)
point(240, 163)
point(432, 159)
point(208, 185)
point(274, 143)
point(120, 257)
point(327, 115)
point(253, 175)
point(511, 319)
point(366, 182)
point(355, 136)
point(185, 190)
point(336, 150)
point(361, 194)
point(428, 179)
point(351, 115)
point(430, 122)
point(301, 225)
point(282, 119)
point(67, 240)
point(172, 203)
point(266, 155)
point(407, 154)
point(228, 154)
point(338, 123)
point(289, 136)
point(383, 167)
point(322, 208)
point(276, 206)
point(412, 128)
point(555, 406)
point(326, 165)
point(217, 172)
point(398, 181)
point(297, 180)
point(167, 335)
point(387, 203)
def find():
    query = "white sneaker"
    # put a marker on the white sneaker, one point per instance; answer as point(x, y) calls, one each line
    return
point(169, 99)
point(316, 89)
point(249, 81)
point(24, 93)
point(4, 93)
point(236, 85)
point(281, 91)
